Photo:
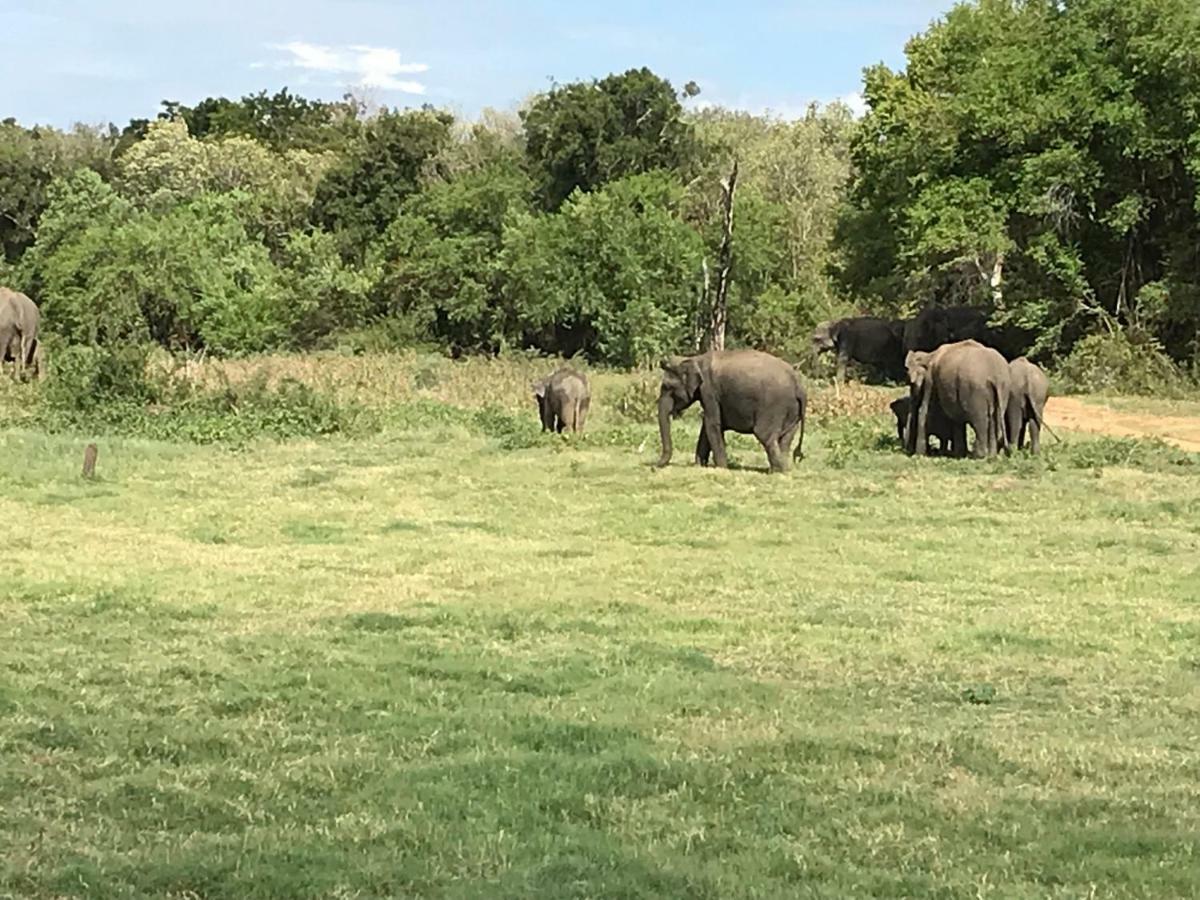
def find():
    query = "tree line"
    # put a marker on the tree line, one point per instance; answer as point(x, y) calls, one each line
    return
point(1036, 158)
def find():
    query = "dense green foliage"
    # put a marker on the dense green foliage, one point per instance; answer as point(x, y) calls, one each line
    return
point(1040, 156)
point(1036, 157)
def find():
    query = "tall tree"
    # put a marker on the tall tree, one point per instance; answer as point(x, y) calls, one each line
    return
point(1038, 156)
point(584, 135)
point(365, 191)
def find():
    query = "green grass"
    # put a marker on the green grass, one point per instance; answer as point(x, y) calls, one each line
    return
point(458, 660)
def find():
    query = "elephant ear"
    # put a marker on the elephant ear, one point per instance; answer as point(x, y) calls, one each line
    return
point(693, 375)
point(539, 388)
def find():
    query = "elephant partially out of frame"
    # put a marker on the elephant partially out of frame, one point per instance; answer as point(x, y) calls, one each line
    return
point(19, 323)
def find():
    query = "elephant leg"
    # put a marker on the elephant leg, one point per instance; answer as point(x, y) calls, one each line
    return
point(775, 457)
point(703, 450)
point(958, 440)
point(785, 442)
point(985, 441)
point(716, 439)
point(1035, 436)
point(842, 359)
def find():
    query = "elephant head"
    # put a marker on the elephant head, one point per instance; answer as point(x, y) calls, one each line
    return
point(824, 337)
point(539, 394)
point(680, 389)
point(917, 365)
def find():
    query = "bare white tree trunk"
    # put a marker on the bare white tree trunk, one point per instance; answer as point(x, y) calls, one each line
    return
point(719, 308)
point(699, 322)
point(997, 280)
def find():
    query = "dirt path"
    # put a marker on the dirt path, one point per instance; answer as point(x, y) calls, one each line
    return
point(1067, 413)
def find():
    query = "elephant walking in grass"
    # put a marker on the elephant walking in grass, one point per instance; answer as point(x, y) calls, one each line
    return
point(1030, 388)
point(744, 391)
point(563, 400)
point(970, 383)
point(19, 322)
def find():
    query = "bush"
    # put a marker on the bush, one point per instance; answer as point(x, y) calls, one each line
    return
point(88, 378)
point(111, 389)
point(1124, 362)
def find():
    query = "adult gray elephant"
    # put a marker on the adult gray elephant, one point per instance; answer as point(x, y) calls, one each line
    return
point(970, 382)
point(745, 391)
point(1029, 390)
point(563, 400)
point(19, 323)
point(938, 426)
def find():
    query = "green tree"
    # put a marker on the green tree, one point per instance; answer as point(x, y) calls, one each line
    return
point(1037, 156)
point(30, 159)
point(360, 196)
point(440, 259)
point(276, 190)
point(793, 177)
point(585, 135)
point(613, 274)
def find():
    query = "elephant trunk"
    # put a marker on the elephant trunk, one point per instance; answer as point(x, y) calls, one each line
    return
point(665, 408)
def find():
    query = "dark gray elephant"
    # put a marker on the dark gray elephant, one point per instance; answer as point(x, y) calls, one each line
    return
point(938, 426)
point(745, 391)
point(19, 323)
point(1029, 390)
point(876, 343)
point(938, 325)
point(970, 382)
point(563, 400)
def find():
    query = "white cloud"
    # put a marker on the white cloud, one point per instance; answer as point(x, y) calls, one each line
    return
point(358, 64)
point(857, 103)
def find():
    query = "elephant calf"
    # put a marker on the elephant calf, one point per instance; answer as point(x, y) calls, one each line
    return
point(19, 321)
point(938, 426)
point(563, 400)
point(1029, 390)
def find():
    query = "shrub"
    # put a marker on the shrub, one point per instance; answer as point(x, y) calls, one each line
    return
point(1124, 362)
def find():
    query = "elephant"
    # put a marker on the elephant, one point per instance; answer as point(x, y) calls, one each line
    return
point(938, 325)
point(563, 400)
point(970, 382)
point(878, 343)
point(19, 321)
point(745, 391)
point(939, 426)
point(1026, 403)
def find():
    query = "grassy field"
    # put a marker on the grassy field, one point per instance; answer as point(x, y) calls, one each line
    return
point(459, 659)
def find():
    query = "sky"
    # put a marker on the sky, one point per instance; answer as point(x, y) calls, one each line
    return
point(99, 61)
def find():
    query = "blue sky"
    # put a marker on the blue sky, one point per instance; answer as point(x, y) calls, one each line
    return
point(63, 61)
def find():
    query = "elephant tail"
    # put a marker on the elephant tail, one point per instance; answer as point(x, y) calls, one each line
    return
point(802, 399)
point(1040, 420)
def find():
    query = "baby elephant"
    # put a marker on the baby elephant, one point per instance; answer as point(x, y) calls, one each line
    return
point(939, 426)
point(563, 400)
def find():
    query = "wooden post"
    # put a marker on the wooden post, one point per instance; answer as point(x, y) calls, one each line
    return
point(89, 461)
point(719, 311)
